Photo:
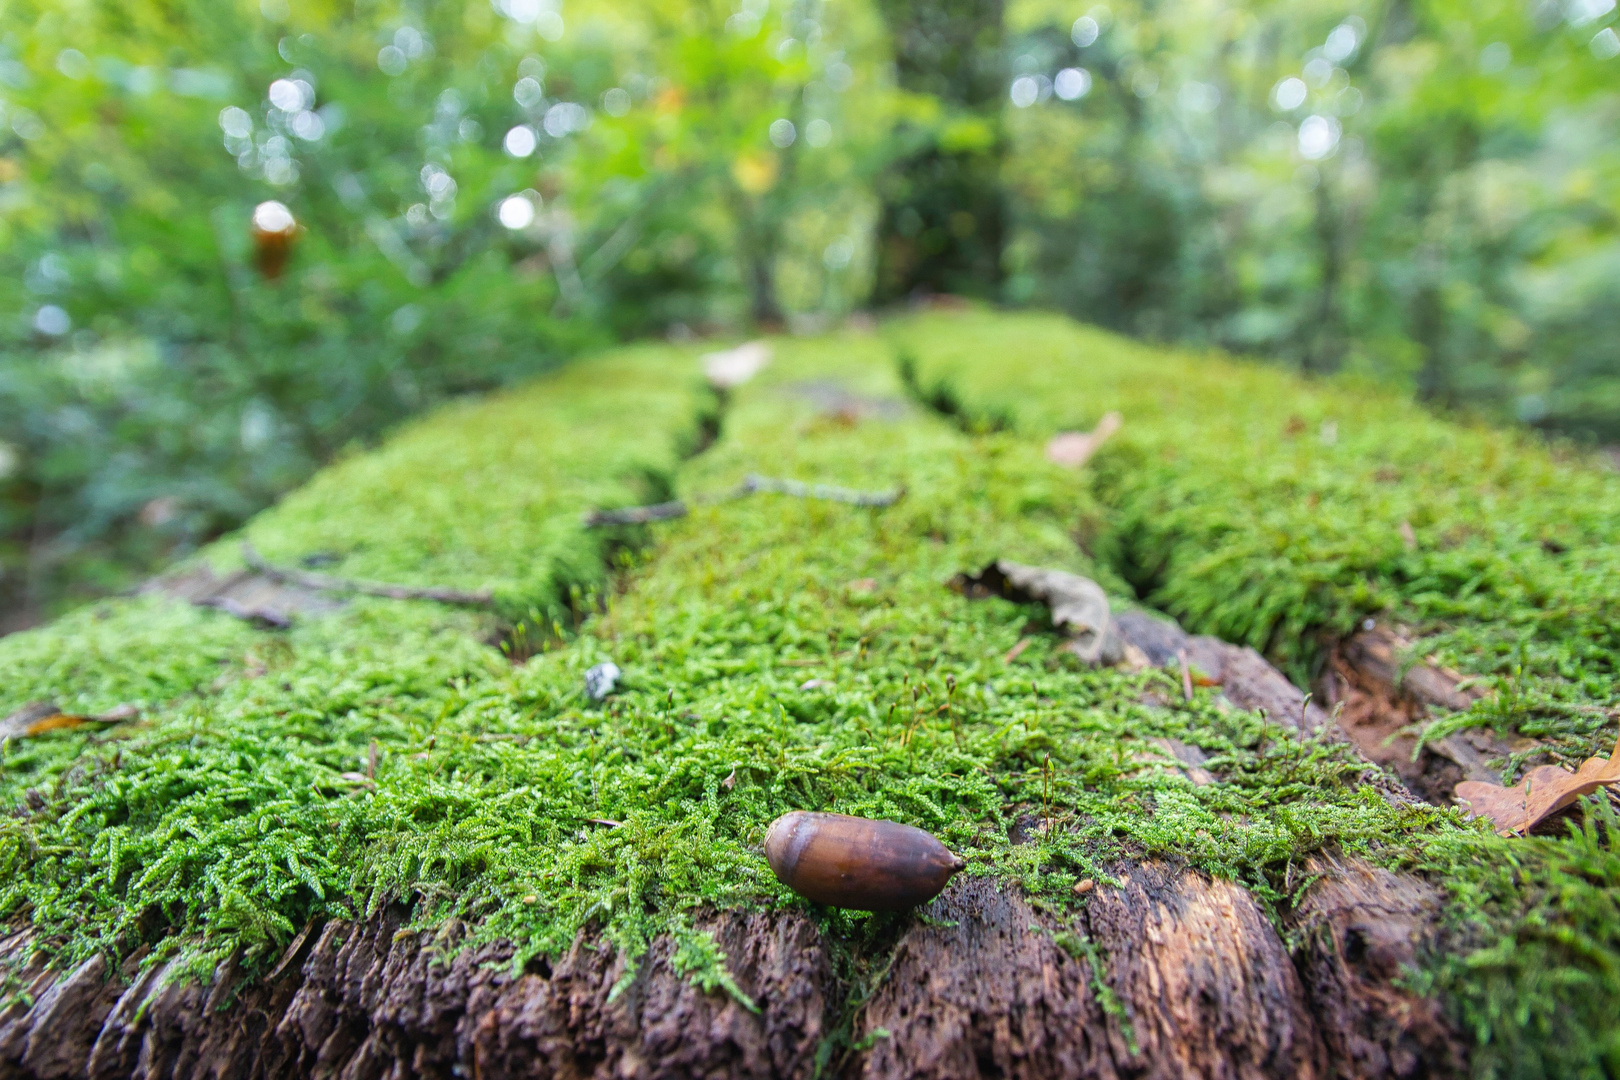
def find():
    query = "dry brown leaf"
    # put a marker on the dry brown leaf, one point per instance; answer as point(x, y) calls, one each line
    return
point(1074, 448)
point(1544, 791)
point(39, 717)
point(1017, 650)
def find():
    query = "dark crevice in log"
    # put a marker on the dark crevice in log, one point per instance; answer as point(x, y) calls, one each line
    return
point(1386, 693)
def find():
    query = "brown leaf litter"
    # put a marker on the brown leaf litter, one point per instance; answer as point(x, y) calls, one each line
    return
point(1544, 791)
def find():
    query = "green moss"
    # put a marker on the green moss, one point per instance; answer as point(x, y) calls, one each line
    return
point(387, 753)
point(1269, 510)
point(489, 494)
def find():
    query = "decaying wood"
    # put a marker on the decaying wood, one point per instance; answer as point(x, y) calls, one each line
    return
point(1384, 697)
point(1249, 681)
point(274, 596)
point(1360, 928)
point(367, 1001)
point(1201, 984)
point(242, 594)
point(752, 484)
point(1198, 984)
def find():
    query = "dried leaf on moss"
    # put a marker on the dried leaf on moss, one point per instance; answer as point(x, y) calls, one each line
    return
point(1546, 790)
point(40, 717)
point(1074, 448)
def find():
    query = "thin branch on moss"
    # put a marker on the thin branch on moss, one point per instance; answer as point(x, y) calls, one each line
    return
point(330, 583)
point(752, 484)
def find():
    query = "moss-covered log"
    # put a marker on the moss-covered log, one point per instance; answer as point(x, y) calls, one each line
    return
point(398, 837)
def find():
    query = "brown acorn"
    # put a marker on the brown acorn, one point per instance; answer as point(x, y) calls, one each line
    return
point(859, 863)
point(274, 232)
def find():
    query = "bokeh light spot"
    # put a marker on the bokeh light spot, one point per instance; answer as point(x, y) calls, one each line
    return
point(1289, 94)
point(1072, 84)
point(520, 141)
point(516, 212)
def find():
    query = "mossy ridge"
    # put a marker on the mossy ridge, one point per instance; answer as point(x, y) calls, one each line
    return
point(489, 493)
point(228, 822)
point(228, 819)
point(1267, 509)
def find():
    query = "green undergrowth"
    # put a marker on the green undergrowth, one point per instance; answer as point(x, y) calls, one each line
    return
point(777, 653)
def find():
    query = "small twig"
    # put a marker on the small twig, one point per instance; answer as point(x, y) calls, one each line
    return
point(752, 484)
point(1186, 676)
point(636, 515)
point(328, 583)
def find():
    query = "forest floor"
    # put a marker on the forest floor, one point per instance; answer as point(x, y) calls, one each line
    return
point(384, 835)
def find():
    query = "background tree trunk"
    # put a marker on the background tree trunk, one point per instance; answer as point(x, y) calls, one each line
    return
point(943, 223)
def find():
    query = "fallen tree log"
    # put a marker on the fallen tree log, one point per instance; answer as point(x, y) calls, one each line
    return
point(1168, 975)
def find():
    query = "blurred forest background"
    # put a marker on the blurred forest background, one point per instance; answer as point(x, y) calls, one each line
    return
point(1423, 192)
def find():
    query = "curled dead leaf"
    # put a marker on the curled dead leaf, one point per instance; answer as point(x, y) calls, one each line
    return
point(39, 717)
point(1078, 605)
point(1544, 791)
point(1074, 448)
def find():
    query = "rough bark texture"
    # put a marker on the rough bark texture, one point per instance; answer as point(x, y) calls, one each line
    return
point(1198, 984)
point(1206, 981)
point(1383, 691)
point(244, 594)
point(366, 1001)
point(1249, 681)
point(986, 991)
point(1203, 984)
point(1360, 928)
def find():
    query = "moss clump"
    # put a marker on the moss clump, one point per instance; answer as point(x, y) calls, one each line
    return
point(489, 494)
point(778, 653)
point(1280, 513)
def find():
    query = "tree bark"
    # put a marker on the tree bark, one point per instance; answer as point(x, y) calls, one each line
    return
point(943, 222)
point(1192, 981)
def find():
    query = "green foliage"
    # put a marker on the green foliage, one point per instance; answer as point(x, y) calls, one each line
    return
point(1417, 191)
point(157, 386)
point(387, 753)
